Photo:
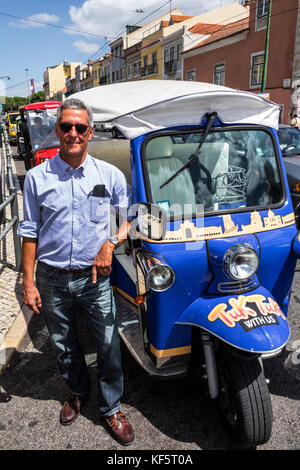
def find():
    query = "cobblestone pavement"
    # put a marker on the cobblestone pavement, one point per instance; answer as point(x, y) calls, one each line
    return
point(13, 316)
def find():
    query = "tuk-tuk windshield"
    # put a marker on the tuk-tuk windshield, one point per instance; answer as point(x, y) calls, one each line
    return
point(41, 124)
point(12, 118)
point(234, 169)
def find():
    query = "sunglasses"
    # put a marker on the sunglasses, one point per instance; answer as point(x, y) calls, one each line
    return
point(67, 126)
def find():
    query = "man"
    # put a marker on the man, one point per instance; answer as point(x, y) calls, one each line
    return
point(39, 133)
point(65, 227)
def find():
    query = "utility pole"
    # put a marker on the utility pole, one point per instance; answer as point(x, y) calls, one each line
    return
point(264, 79)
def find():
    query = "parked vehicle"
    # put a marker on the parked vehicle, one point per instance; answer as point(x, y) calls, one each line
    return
point(289, 140)
point(116, 132)
point(37, 131)
point(205, 277)
point(103, 126)
point(12, 127)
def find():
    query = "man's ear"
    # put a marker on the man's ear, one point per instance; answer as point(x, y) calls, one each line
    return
point(91, 133)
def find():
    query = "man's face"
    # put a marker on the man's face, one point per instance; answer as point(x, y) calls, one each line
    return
point(72, 142)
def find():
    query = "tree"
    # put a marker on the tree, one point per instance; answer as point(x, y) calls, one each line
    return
point(37, 97)
point(12, 103)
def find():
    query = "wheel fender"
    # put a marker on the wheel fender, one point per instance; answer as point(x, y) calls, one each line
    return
point(252, 321)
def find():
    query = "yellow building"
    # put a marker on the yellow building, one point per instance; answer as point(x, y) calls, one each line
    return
point(152, 50)
point(151, 53)
point(55, 77)
point(96, 67)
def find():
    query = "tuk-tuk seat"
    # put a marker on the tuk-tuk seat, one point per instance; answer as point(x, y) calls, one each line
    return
point(161, 166)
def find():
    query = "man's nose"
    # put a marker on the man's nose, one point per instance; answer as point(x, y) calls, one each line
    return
point(73, 131)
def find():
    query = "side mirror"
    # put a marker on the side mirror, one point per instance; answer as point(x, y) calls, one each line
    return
point(151, 221)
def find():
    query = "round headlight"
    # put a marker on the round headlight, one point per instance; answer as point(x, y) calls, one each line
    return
point(241, 261)
point(160, 277)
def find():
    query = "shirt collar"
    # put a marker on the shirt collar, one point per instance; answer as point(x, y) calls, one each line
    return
point(64, 167)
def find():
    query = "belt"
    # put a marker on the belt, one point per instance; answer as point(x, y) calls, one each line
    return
point(64, 269)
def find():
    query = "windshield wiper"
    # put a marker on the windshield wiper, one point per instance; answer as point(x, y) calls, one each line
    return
point(211, 120)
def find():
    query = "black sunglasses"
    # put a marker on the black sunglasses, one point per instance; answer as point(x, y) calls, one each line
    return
point(67, 126)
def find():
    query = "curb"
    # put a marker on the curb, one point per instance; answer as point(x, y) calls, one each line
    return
point(14, 337)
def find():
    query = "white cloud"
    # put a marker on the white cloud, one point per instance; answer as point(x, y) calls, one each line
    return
point(36, 21)
point(86, 47)
point(108, 17)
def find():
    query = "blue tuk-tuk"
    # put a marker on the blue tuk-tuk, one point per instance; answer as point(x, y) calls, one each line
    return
point(208, 267)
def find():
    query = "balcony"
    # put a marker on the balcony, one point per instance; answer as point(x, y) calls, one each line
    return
point(170, 66)
point(104, 80)
point(149, 69)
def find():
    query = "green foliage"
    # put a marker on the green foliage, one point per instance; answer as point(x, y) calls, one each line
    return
point(13, 103)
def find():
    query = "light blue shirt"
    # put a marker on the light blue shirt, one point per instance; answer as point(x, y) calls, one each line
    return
point(60, 210)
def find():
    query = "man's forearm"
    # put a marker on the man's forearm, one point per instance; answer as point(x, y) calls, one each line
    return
point(123, 231)
point(28, 258)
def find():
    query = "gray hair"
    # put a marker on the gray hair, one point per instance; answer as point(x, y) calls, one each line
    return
point(74, 103)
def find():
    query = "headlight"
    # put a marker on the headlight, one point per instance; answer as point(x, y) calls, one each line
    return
point(241, 261)
point(160, 277)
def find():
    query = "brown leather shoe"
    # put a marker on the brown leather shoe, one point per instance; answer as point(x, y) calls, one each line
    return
point(121, 428)
point(71, 409)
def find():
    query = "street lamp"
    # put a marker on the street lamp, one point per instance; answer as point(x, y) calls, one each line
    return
point(5, 76)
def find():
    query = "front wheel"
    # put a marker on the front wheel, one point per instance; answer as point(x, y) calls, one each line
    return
point(244, 399)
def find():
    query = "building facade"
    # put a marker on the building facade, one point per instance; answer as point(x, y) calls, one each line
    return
point(234, 55)
point(55, 78)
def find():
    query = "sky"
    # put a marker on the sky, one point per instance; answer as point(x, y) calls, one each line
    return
point(35, 34)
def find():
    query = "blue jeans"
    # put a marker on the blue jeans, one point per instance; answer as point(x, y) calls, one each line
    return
point(61, 292)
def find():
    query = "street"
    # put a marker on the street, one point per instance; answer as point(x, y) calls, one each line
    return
point(175, 415)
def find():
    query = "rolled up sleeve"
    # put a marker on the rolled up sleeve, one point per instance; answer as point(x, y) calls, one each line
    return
point(31, 223)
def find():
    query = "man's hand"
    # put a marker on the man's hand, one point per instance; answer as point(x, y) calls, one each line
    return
point(102, 262)
point(31, 296)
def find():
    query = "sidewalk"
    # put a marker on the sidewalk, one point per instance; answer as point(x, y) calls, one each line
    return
point(14, 316)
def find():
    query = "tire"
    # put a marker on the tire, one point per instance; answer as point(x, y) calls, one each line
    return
point(27, 162)
point(244, 399)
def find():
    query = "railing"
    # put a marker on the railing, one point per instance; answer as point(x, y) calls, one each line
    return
point(149, 69)
point(170, 66)
point(7, 183)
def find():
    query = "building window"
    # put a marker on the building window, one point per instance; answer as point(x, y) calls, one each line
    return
point(178, 50)
point(171, 53)
point(262, 11)
point(191, 75)
point(262, 8)
point(135, 69)
point(166, 55)
point(257, 67)
point(219, 74)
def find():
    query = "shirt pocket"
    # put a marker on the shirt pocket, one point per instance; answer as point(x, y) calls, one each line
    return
point(99, 209)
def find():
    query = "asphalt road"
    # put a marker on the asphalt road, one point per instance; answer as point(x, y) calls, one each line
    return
point(167, 416)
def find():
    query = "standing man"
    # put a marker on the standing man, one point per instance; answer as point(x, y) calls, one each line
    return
point(66, 229)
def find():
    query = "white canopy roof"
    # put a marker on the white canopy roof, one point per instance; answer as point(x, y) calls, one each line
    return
point(143, 106)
